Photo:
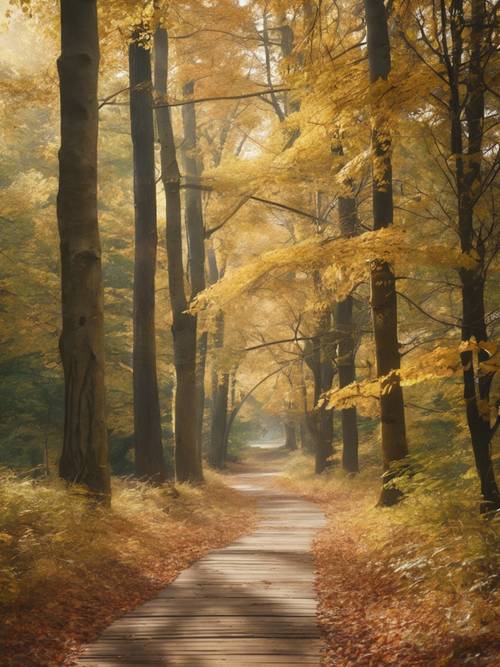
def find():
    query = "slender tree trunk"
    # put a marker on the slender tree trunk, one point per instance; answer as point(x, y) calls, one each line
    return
point(383, 282)
point(306, 440)
point(84, 458)
point(187, 460)
point(318, 356)
point(193, 197)
point(346, 370)
point(290, 436)
point(217, 448)
point(220, 393)
point(149, 462)
point(345, 358)
point(231, 403)
point(477, 383)
point(196, 243)
point(200, 383)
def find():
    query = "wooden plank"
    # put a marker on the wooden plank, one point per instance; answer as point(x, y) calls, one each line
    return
point(243, 646)
point(206, 661)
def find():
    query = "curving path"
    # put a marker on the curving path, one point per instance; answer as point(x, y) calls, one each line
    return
point(251, 603)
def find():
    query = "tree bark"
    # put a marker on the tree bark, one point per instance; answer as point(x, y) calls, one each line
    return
point(306, 440)
point(318, 356)
point(196, 242)
point(345, 360)
point(383, 282)
point(201, 366)
point(217, 448)
point(187, 461)
point(84, 458)
point(218, 443)
point(220, 392)
point(290, 436)
point(149, 461)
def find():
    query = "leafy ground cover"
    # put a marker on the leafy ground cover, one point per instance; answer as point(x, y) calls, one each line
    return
point(68, 569)
point(415, 585)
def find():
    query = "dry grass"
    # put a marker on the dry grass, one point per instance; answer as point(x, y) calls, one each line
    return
point(67, 569)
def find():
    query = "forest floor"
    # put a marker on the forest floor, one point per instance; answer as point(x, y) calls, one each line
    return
point(249, 604)
point(385, 597)
point(390, 592)
point(68, 570)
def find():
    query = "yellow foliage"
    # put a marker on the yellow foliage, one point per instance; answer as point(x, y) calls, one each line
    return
point(344, 260)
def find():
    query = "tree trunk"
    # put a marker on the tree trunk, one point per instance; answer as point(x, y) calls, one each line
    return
point(306, 439)
point(477, 383)
point(306, 443)
point(193, 197)
point(318, 355)
point(196, 243)
point(345, 358)
point(149, 462)
point(84, 458)
point(220, 393)
point(346, 371)
point(290, 436)
point(217, 448)
point(200, 384)
point(383, 282)
point(187, 461)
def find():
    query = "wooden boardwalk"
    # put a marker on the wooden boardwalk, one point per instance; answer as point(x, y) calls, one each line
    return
point(251, 603)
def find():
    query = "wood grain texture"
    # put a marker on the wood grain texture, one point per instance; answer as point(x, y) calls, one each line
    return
point(251, 603)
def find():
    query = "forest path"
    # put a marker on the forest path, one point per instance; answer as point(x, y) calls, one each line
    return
point(251, 603)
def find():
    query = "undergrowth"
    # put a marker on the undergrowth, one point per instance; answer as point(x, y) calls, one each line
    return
point(415, 584)
point(67, 567)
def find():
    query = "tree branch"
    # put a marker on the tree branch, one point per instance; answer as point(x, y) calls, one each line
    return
point(217, 98)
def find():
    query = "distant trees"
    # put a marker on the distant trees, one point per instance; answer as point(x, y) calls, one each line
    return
point(84, 457)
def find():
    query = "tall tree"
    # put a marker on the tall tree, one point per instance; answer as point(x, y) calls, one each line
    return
point(467, 115)
point(383, 281)
point(84, 458)
point(195, 229)
point(149, 461)
point(290, 435)
point(318, 355)
point(461, 56)
point(220, 382)
point(187, 461)
point(348, 222)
